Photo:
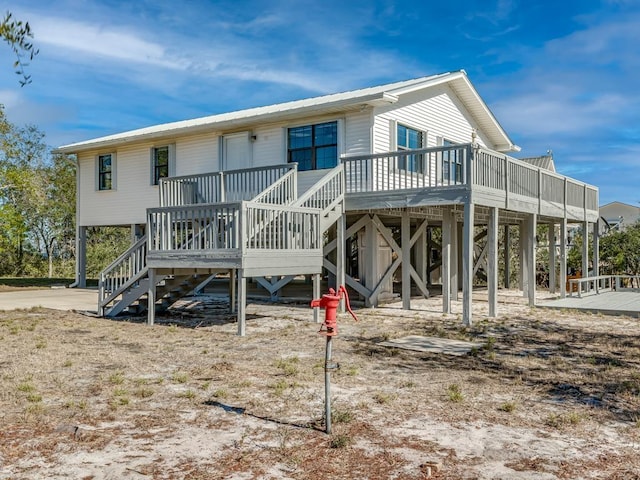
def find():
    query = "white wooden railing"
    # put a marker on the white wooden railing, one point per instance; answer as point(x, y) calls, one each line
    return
point(235, 226)
point(326, 193)
point(471, 167)
point(194, 227)
point(227, 186)
point(408, 169)
point(122, 273)
point(604, 283)
point(283, 191)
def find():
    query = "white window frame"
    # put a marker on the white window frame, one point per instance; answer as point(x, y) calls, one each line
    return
point(394, 147)
point(152, 162)
point(114, 172)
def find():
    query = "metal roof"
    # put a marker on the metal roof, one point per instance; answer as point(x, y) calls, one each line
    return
point(380, 95)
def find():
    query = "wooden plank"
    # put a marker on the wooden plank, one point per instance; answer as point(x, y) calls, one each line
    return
point(405, 235)
point(446, 259)
point(467, 263)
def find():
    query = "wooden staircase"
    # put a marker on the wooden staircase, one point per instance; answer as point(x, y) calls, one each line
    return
point(204, 227)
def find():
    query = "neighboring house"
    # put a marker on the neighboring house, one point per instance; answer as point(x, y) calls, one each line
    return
point(277, 191)
point(617, 216)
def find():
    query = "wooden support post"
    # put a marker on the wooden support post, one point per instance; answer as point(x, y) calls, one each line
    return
point(406, 260)
point(531, 258)
point(242, 303)
point(467, 262)
point(563, 258)
point(446, 260)
point(507, 256)
point(341, 227)
point(371, 257)
point(232, 290)
point(151, 297)
point(596, 253)
point(585, 250)
point(316, 294)
point(492, 261)
point(81, 257)
point(524, 260)
point(428, 254)
point(456, 259)
point(552, 257)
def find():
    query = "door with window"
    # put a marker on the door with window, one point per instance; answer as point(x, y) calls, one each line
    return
point(236, 151)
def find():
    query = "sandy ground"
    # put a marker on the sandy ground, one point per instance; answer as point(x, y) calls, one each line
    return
point(551, 395)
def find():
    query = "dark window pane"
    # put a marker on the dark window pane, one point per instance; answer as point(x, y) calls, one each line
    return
point(300, 137)
point(326, 157)
point(402, 136)
point(303, 158)
point(162, 156)
point(326, 134)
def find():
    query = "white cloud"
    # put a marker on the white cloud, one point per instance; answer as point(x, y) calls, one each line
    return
point(103, 41)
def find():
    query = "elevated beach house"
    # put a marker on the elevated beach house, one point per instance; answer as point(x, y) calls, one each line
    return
point(298, 188)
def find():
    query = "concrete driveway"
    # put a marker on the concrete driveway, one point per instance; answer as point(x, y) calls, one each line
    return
point(54, 298)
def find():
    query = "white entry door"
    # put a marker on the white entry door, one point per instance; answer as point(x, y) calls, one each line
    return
point(237, 151)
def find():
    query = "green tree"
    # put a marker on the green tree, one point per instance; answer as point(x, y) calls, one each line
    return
point(18, 34)
point(620, 251)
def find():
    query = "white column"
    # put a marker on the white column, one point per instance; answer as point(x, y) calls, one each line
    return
point(456, 258)
point(524, 259)
point(492, 261)
point(467, 263)
point(507, 256)
point(531, 259)
point(371, 270)
point(232, 290)
point(340, 257)
point(585, 249)
point(405, 234)
point(242, 303)
point(563, 258)
point(81, 257)
point(446, 260)
point(151, 297)
point(316, 294)
point(596, 252)
point(552, 257)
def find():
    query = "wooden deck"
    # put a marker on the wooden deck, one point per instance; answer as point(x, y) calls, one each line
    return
point(609, 303)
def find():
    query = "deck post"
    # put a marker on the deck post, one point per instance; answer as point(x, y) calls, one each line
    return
point(523, 258)
point(552, 257)
point(242, 303)
point(371, 270)
point(428, 247)
point(507, 256)
point(151, 297)
point(405, 234)
point(563, 258)
point(531, 258)
point(596, 253)
point(585, 251)
point(492, 261)
point(445, 266)
point(316, 294)
point(232, 290)
point(467, 262)
point(456, 280)
point(81, 257)
point(341, 227)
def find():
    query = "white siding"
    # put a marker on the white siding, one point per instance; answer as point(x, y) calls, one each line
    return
point(128, 203)
point(436, 111)
point(358, 133)
point(197, 154)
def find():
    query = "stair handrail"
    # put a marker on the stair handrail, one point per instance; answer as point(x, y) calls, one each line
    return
point(110, 286)
point(283, 191)
point(326, 193)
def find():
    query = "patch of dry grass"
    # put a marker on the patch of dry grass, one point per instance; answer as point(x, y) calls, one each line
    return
point(71, 386)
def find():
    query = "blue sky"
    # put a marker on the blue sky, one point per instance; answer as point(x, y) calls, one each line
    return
point(561, 75)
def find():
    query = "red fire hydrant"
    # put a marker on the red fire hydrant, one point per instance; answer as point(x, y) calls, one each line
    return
point(330, 302)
